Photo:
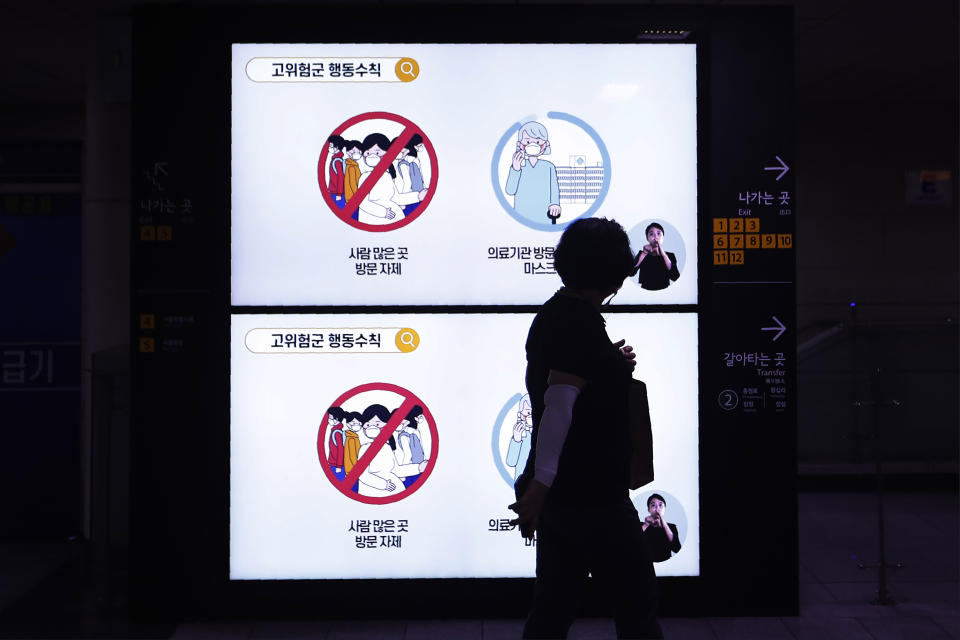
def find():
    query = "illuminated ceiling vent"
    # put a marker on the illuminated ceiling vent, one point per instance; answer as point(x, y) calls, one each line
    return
point(663, 34)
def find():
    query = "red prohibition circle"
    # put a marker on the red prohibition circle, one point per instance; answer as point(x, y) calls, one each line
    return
point(409, 130)
point(344, 486)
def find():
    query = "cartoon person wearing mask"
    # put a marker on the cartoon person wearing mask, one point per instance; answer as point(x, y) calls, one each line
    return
point(519, 449)
point(411, 458)
point(351, 179)
point(379, 478)
point(351, 449)
point(335, 147)
point(409, 172)
point(383, 204)
point(532, 181)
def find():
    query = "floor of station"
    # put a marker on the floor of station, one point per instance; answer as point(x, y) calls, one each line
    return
point(40, 597)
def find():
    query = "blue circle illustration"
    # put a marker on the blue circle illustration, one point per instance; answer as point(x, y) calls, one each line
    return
point(674, 509)
point(495, 441)
point(547, 226)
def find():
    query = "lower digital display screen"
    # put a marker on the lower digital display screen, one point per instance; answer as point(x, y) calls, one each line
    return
point(316, 494)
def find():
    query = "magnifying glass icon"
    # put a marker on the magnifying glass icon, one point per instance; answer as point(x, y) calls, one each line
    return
point(407, 340)
point(407, 69)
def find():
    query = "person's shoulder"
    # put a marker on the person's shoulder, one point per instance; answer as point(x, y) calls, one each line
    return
point(568, 307)
point(560, 315)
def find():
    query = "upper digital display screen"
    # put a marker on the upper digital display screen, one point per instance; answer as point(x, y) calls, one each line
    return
point(378, 174)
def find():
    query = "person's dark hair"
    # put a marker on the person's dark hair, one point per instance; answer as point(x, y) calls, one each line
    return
point(383, 142)
point(336, 412)
point(656, 496)
point(412, 415)
point(384, 414)
point(654, 225)
point(411, 146)
point(353, 144)
point(376, 410)
point(594, 253)
point(350, 416)
point(337, 141)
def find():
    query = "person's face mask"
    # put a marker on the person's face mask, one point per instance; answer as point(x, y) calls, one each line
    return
point(532, 149)
point(371, 161)
point(356, 155)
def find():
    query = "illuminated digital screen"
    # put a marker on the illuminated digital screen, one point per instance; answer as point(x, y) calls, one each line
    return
point(301, 508)
point(337, 250)
point(384, 175)
point(443, 174)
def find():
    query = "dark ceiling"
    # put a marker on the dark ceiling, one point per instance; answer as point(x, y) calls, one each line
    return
point(888, 51)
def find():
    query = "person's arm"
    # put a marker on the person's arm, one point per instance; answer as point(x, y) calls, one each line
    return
point(554, 187)
point(374, 209)
point(553, 211)
point(410, 197)
point(673, 536)
point(403, 443)
point(407, 470)
point(666, 259)
point(562, 391)
point(372, 480)
point(643, 254)
point(371, 205)
point(670, 262)
point(513, 179)
point(513, 449)
point(667, 531)
point(402, 181)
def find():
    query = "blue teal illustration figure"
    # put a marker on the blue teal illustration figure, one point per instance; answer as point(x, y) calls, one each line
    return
point(532, 181)
point(409, 172)
point(411, 459)
point(519, 448)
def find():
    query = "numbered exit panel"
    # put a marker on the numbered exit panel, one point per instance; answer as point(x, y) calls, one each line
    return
point(752, 248)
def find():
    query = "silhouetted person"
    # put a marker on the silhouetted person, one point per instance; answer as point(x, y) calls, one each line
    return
point(574, 491)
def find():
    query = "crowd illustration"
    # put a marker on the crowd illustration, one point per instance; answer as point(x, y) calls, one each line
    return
point(397, 192)
point(393, 468)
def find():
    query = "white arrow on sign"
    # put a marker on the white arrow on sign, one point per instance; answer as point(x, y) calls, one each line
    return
point(783, 168)
point(780, 328)
point(161, 168)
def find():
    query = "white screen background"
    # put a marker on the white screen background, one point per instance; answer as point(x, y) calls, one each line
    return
point(289, 249)
point(288, 522)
